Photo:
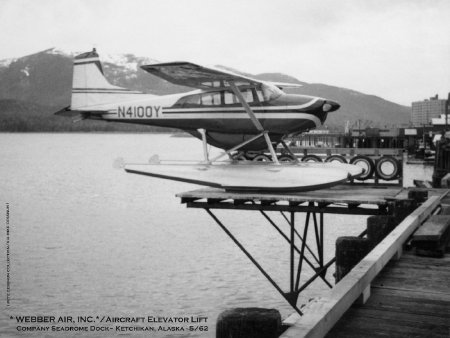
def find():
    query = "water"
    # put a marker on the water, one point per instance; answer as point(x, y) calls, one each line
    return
point(90, 240)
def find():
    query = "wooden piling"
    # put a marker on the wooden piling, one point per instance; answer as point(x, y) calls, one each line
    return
point(378, 227)
point(445, 209)
point(401, 209)
point(419, 196)
point(249, 323)
point(349, 251)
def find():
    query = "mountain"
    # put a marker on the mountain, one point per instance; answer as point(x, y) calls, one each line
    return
point(34, 86)
point(357, 106)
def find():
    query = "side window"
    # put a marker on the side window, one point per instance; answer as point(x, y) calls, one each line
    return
point(211, 99)
point(188, 101)
point(193, 100)
point(248, 95)
point(230, 98)
point(260, 95)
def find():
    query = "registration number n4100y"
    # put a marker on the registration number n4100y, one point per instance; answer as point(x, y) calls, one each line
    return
point(139, 112)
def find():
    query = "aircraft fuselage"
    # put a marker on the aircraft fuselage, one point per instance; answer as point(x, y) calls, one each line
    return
point(230, 108)
point(219, 113)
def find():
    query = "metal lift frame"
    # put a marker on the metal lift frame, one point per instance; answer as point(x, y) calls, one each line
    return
point(314, 214)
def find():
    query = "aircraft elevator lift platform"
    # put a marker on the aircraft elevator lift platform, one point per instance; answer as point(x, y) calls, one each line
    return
point(350, 199)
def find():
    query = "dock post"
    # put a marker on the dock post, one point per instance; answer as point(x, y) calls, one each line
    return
point(419, 196)
point(401, 209)
point(379, 227)
point(349, 251)
point(249, 323)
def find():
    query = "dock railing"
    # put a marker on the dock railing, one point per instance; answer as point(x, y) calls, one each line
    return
point(323, 313)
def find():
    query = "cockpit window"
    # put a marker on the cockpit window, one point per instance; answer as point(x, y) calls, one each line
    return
point(230, 98)
point(270, 91)
point(227, 97)
point(210, 99)
point(192, 100)
point(260, 95)
point(248, 95)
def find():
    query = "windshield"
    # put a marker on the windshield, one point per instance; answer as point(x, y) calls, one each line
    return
point(270, 91)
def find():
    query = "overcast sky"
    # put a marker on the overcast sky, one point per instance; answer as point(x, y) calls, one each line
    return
point(399, 50)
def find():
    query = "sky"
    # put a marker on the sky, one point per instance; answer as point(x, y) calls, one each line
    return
point(396, 49)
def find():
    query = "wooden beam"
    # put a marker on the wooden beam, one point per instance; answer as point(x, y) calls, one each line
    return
point(189, 199)
point(323, 313)
point(244, 205)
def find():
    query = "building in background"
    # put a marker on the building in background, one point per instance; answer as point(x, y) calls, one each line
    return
point(422, 112)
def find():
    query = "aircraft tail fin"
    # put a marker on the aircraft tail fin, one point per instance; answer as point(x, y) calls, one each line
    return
point(90, 88)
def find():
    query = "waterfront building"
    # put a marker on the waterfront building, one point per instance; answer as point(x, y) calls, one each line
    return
point(422, 112)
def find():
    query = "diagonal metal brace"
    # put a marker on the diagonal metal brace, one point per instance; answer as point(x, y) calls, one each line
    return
point(286, 296)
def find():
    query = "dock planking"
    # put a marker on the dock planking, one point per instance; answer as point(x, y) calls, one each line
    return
point(409, 298)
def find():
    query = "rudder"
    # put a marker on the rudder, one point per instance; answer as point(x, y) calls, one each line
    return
point(90, 88)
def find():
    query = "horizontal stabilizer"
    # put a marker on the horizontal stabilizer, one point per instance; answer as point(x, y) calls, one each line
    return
point(67, 112)
point(72, 113)
point(80, 115)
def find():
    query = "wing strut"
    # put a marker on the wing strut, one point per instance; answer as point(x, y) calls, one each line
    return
point(255, 121)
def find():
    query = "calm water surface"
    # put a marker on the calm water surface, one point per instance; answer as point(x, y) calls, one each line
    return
point(87, 239)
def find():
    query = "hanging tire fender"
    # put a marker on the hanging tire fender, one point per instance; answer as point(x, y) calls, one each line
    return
point(262, 158)
point(366, 163)
point(286, 158)
point(311, 158)
point(336, 158)
point(387, 168)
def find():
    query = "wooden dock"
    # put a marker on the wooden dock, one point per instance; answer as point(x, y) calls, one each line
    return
point(409, 298)
point(387, 294)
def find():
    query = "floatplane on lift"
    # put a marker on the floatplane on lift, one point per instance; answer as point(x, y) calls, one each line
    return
point(230, 111)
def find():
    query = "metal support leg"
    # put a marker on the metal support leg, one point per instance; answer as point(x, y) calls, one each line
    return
point(253, 260)
point(321, 240)
point(301, 239)
point(292, 250)
point(302, 252)
point(316, 231)
point(307, 261)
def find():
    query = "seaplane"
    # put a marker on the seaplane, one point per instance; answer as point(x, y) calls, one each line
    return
point(225, 109)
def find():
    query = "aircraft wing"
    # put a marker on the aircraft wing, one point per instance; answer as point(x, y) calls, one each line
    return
point(193, 75)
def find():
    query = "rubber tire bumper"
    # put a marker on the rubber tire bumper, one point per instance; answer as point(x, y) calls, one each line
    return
point(369, 166)
point(386, 176)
